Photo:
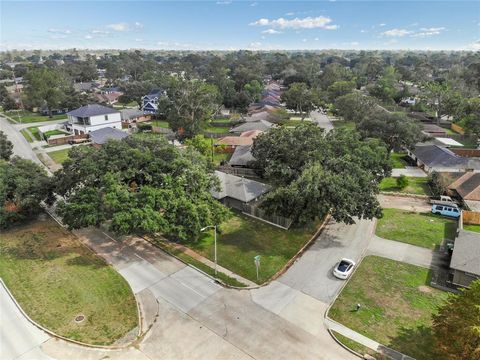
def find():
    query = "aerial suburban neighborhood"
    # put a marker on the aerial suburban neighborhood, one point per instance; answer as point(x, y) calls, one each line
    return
point(239, 180)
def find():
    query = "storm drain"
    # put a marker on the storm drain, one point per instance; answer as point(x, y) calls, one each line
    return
point(79, 318)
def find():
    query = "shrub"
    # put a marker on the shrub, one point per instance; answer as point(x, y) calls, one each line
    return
point(402, 182)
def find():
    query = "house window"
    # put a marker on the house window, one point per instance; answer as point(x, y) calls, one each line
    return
point(106, 117)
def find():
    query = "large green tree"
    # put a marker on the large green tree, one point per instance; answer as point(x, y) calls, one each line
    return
point(45, 86)
point(301, 98)
point(456, 327)
point(141, 185)
point(394, 129)
point(6, 147)
point(355, 106)
point(23, 185)
point(316, 173)
point(189, 104)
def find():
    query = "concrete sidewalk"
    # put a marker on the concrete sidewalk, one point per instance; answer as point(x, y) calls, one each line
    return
point(410, 171)
point(410, 254)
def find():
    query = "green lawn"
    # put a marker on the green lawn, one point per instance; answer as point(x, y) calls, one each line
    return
point(59, 156)
point(55, 278)
point(241, 238)
point(26, 135)
point(471, 227)
point(47, 134)
point(36, 134)
point(420, 229)
point(416, 185)
point(160, 123)
point(342, 124)
point(221, 121)
point(355, 346)
point(398, 160)
point(219, 157)
point(217, 129)
point(26, 117)
point(397, 305)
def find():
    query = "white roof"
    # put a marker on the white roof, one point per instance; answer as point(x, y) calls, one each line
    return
point(448, 141)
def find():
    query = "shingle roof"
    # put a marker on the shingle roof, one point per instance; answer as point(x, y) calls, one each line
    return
point(466, 186)
point(127, 114)
point(101, 136)
point(436, 156)
point(262, 125)
point(241, 156)
point(238, 188)
point(466, 252)
point(92, 110)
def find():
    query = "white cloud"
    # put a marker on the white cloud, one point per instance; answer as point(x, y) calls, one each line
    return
point(119, 27)
point(396, 32)
point(139, 40)
point(304, 40)
point(271, 31)
point(363, 31)
point(100, 32)
point(88, 37)
point(254, 4)
point(475, 45)
point(138, 25)
point(224, 2)
point(316, 39)
point(59, 31)
point(319, 22)
point(255, 45)
point(426, 32)
point(290, 14)
point(382, 24)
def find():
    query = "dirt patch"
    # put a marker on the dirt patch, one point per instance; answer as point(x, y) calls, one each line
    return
point(425, 289)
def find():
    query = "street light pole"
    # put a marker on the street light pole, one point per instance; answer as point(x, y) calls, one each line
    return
point(215, 243)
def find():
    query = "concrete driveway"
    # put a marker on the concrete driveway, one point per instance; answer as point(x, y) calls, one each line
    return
point(322, 120)
point(312, 273)
point(410, 171)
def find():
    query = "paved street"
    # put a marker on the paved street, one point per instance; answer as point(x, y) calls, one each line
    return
point(322, 120)
point(21, 147)
point(20, 339)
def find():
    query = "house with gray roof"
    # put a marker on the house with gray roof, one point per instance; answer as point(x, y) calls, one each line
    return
point(261, 125)
point(440, 159)
point(242, 156)
point(93, 117)
point(236, 191)
point(465, 261)
point(101, 136)
point(133, 115)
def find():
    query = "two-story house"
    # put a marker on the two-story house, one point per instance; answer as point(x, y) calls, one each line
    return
point(150, 101)
point(93, 117)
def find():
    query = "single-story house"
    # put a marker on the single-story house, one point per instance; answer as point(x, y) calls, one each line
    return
point(440, 159)
point(264, 115)
point(236, 191)
point(467, 186)
point(101, 136)
point(108, 98)
point(434, 130)
point(133, 115)
point(84, 87)
point(465, 261)
point(245, 138)
point(242, 156)
point(261, 125)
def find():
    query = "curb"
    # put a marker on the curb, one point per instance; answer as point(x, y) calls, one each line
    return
point(393, 193)
point(344, 346)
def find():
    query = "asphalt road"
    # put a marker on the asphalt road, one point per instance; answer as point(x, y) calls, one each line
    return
point(21, 147)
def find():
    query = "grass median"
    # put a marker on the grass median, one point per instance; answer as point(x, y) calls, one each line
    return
point(55, 278)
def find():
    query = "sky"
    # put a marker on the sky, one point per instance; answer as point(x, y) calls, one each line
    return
point(240, 24)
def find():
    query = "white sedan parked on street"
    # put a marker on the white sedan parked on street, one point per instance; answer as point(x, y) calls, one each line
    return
point(343, 268)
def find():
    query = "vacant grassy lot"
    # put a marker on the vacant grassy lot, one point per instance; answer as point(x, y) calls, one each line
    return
point(397, 305)
point(59, 156)
point(219, 157)
point(398, 160)
point(420, 229)
point(216, 129)
point(242, 237)
point(416, 185)
point(47, 134)
point(26, 117)
point(55, 278)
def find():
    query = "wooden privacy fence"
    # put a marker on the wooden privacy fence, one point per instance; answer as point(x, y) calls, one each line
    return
point(256, 212)
point(458, 129)
point(250, 173)
point(471, 217)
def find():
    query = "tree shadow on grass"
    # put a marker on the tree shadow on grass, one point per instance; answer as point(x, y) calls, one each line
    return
point(90, 261)
point(415, 342)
